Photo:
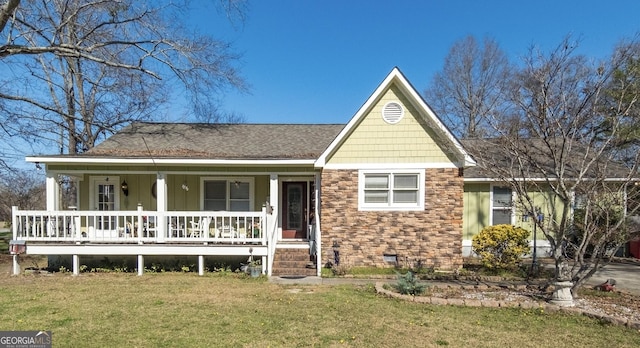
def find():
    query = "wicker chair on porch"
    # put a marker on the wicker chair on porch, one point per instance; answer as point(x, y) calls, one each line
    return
point(199, 228)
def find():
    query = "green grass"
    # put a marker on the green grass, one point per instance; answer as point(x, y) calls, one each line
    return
point(185, 310)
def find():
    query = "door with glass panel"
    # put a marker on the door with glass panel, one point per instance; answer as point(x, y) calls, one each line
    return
point(295, 210)
point(106, 198)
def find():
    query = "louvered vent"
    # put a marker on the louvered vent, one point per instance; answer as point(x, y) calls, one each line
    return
point(392, 112)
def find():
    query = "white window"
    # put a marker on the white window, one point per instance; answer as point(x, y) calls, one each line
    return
point(502, 205)
point(387, 190)
point(227, 194)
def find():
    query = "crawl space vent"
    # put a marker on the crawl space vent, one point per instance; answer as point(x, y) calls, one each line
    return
point(392, 112)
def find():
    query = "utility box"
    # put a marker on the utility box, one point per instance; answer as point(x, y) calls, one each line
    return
point(17, 247)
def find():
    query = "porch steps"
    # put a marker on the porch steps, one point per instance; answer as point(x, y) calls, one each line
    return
point(293, 262)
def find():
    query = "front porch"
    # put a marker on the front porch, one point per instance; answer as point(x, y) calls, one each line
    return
point(149, 233)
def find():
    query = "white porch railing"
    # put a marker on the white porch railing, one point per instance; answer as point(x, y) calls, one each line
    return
point(141, 226)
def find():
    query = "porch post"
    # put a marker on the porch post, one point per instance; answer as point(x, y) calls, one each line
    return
point(161, 192)
point(318, 236)
point(273, 199)
point(14, 221)
point(140, 265)
point(140, 225)
point(53, 192)
point(273, 216)
point(75, 264)
point(200, 265)
point(274, 195)
point(15, 270)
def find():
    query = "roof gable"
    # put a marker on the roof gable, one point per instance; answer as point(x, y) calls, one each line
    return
point(445, 139)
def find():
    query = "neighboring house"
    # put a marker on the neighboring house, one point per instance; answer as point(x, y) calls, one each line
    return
point(392, 186)
point(488, 200)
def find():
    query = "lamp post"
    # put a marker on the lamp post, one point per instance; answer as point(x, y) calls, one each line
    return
point(538, 217)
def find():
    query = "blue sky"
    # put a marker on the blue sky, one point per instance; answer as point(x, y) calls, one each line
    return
point(318, 61)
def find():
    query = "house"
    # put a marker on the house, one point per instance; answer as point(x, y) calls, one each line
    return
point(392, 186)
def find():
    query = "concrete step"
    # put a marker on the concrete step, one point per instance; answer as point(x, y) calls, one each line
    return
point(292, 264)
point(293, 271)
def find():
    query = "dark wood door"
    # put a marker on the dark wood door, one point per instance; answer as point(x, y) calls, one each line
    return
point(294, 210)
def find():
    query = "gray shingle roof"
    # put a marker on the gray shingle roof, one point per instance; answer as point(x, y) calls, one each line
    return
point(219, 141)
point(491, 152)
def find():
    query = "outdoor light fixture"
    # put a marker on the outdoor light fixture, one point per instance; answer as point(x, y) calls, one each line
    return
point(185, 186)
point(125, 188)
point(38, 166)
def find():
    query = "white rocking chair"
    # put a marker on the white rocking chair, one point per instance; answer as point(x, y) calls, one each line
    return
point(200, 228)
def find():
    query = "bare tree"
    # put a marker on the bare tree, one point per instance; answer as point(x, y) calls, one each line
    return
point(557, 155)
point(6, 11)
point(25, 189)
point(470, 87)
point(80, 70)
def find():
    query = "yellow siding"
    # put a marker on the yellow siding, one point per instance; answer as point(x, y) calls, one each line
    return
point(178, 199)
point(548, 204)
point(375, 141)
point(476, 209)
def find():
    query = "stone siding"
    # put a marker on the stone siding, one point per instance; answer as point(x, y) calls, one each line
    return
point(432, 236)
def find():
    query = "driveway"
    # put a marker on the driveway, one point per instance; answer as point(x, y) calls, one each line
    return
point(626, 274)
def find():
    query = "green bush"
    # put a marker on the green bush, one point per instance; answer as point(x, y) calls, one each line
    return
point(501, 246)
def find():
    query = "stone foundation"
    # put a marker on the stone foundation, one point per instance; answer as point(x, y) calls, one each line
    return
point(432, 237)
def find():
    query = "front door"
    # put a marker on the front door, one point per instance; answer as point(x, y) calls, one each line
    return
point(106, 197)
point(294, 210)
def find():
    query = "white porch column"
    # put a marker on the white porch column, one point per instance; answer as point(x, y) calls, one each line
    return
point(140, 265)
point(53, 191)
point(161, 193)
point(15, 270)
point(274, 194)
point(75, 264)
point(318, 236)
point(200, 265)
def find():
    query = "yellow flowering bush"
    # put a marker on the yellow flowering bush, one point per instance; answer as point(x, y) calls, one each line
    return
point(501, 246)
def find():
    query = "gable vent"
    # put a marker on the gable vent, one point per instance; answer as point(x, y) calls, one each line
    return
point(392, 112)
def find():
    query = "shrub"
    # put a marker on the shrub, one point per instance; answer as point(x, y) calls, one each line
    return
point(501, 246)
point(408, 284)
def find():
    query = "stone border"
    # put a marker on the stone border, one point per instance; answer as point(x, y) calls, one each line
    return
point(632, 324)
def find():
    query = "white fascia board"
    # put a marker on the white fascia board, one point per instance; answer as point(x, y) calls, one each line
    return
point(166, 161)
point(540, 179)
point(422, 105)
point(390, 166)
point(510, 179)
point(322, 160)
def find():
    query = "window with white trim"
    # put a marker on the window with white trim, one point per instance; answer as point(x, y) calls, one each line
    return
point(227, 195)
point(502, 201)
point(391, 190)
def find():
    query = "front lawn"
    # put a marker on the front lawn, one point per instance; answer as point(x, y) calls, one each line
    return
point(186, 310)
